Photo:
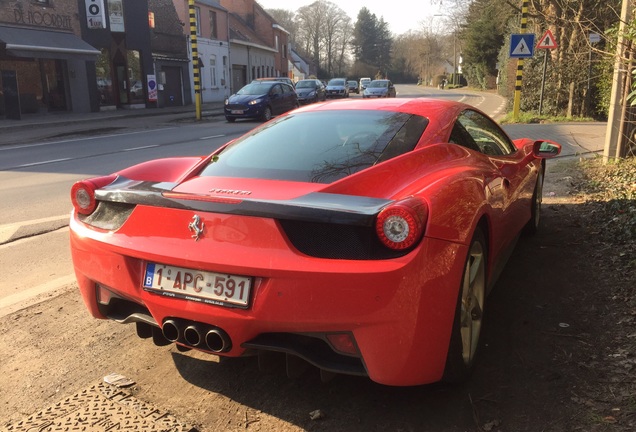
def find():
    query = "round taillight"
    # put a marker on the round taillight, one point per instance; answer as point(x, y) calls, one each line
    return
point(400, 225)
point(83, 197)
point(83, 193)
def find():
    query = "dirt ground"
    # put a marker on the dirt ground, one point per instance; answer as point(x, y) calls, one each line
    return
point(557, 355)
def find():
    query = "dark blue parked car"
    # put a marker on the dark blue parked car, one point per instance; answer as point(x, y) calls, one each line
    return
point(261, 100)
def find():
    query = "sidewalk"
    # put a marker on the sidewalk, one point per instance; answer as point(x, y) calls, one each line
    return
point(33, 126)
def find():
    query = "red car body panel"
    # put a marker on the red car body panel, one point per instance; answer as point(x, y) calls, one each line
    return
point(399, 310)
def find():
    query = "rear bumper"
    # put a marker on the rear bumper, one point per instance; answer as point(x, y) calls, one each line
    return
point(399, 311)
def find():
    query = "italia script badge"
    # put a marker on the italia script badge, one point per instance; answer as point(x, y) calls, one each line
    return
point(196, 227)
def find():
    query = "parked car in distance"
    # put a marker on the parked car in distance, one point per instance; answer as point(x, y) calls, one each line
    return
point(290, 239)
point(382, 88)
point(337, 88)
point(353, 87)
point(364, 82)
point(279, 79)
point(261, 100)
point(310, 91)
point(137, 89)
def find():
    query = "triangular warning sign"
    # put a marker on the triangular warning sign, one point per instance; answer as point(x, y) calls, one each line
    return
point(521, 48)
point(547, 41)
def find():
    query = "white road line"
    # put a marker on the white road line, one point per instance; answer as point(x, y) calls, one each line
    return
point(212, 136)
point(141, 148)
point(43, 162)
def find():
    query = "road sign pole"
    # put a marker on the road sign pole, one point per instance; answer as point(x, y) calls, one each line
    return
point(545, 68)
point(517, 100)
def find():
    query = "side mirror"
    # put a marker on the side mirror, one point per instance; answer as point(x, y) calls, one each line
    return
point(546, 149)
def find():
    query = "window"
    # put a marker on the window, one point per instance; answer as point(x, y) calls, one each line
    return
point(213, 27)
point(276, 42)
point(213, 70)
point(489, 137)
point(197, 14)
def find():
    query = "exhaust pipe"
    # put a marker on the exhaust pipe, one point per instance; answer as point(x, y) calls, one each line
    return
point(170, 330)
point(217, 340)
point(192, 335)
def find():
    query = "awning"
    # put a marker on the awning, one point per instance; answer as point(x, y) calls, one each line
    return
point(22, 42)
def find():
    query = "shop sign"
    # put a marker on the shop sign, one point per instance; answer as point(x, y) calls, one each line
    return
point(116, 16)
point(152, 88)
point(42, 19)
point(95, 15)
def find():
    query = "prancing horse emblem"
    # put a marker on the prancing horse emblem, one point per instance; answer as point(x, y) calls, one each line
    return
point(196, 226)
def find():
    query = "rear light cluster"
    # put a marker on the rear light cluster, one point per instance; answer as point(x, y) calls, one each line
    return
point(400, 225)
point(83, 193)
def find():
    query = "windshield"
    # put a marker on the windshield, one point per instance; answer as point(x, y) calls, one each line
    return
point(319, 147)
point(378, 84)
point(337, 82)
point(259, 88)
point(306, 84)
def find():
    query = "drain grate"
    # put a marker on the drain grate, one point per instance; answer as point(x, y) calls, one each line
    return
point(101, 407)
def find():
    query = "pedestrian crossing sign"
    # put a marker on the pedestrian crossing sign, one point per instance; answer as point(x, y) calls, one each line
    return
point(522, 45)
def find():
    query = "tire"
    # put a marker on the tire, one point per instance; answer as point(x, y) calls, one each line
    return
point(267, 114)
point(230, 119)
point(469, 313)
point(533, 224)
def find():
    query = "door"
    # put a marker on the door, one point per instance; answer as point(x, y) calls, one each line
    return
point(122, 84)
point(172, 89)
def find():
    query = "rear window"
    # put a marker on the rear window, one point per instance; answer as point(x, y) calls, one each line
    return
point(319, 147)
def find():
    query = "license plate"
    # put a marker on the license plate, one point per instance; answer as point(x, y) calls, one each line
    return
point(196, 285)
point(237, 111)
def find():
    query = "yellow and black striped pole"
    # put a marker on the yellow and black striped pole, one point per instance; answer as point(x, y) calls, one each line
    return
point(196, 69)
point(517, 101)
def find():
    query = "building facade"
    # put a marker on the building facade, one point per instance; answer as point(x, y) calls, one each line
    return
point(44, 61)
point(212, 47)
point(259, 47)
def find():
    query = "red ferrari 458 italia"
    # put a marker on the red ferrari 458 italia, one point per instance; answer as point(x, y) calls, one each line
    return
point(359, 236)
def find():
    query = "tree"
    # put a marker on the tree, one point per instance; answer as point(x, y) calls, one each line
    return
point(371, 44)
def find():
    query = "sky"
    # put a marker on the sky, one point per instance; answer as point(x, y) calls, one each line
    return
point(402, 15)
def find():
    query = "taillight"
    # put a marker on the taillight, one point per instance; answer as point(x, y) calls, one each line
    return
point(400, 225)
point(83, 193)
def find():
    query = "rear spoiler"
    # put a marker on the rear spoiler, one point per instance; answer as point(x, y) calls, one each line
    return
point(313, 207)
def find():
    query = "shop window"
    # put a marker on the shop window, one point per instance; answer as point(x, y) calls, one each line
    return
point(104, 78)
point(135, 77)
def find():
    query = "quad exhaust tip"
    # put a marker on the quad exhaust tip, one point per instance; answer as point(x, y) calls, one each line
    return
point(196, 335)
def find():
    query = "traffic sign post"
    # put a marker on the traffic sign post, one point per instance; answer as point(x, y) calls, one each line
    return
point(547, 42)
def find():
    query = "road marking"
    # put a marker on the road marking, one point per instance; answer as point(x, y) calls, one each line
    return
point(141, 148)
point(212, 136)
point(43, 162)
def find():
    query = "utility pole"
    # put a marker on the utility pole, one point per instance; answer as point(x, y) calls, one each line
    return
point(616, 118)
point(516, 106)
point(196, 67)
